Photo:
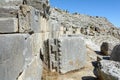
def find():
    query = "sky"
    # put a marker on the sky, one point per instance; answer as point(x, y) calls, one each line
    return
point(104, 8)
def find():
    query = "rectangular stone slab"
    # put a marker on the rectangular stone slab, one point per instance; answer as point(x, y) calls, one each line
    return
point(10, 2)
point(17, 61)
point(12, 48)
point(108, 70)
point(69, 55)
point(8, 25)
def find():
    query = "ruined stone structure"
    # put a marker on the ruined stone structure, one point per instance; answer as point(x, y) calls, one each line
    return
point(34, 36)
point(115, 55)
point(23, 28)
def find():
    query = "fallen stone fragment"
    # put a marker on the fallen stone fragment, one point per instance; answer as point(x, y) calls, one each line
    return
point(10, 2)
point(106, 48)
point(12, 48)
point(108, 70)
point(115, 55)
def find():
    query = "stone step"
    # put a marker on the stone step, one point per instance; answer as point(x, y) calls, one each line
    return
point(8, 25)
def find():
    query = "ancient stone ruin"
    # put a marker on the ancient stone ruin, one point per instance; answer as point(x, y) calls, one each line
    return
point(39, 42)
point(65, 54)
point(22, 31)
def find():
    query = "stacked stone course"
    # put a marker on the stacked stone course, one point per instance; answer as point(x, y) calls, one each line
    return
point(22, 27)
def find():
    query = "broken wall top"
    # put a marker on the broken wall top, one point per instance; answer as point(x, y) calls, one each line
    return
point(10, 2)
point(41, 5)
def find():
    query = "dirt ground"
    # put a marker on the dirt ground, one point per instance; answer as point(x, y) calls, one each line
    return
point(85, 73)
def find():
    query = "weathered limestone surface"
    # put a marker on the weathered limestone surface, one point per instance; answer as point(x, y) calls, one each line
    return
point(29, 19)
point(94, 28)
point(115, 55)
point(33, 70)
point(35, 41)
point(109, 70)
point(23, 24)
point(106, 48)
point(33, 64)
point(72, 54)
point(42, 5)
point(19, 55)
point(10, 2)
point(8, 11)
point(11, 55)
point(8, 25)
point(65, 54)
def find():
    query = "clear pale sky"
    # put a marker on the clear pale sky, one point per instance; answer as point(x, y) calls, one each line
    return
point(105, 8)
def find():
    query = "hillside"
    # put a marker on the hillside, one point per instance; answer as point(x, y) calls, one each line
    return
point(94, 29)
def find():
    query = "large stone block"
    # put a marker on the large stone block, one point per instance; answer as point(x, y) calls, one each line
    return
point(66, 54)
point(115, 55)
point(29, 19)
point(9, 11)
point(17, 56)
point(33, 65)
point(10, 2)
point(108, 70)
point(8, 25)
point(12, 48)
point(106, 48)
point(33, 71)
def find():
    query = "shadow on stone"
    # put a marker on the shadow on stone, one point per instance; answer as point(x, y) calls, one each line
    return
point(106, 57)
point(99, 53)
point(94, 63)
point(89, 78)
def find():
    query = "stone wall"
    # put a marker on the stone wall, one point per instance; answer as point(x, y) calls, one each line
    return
point(23, 30)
